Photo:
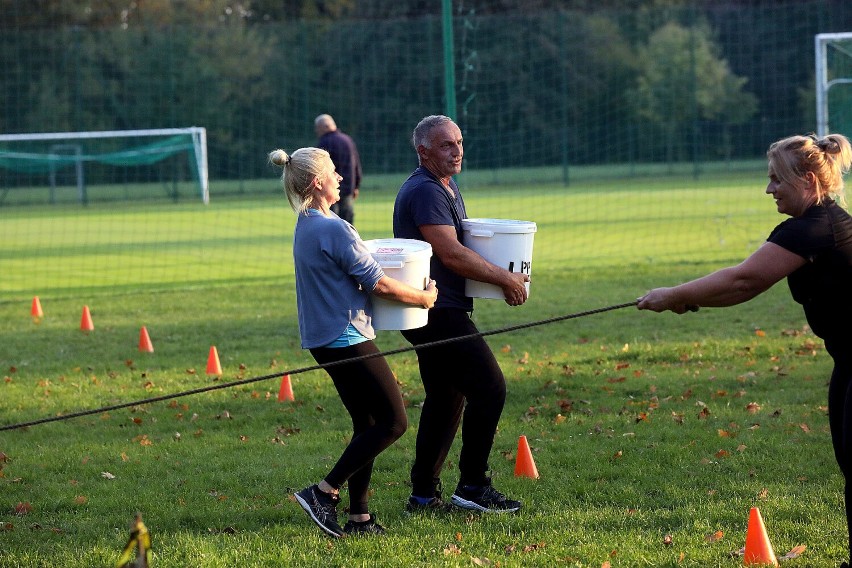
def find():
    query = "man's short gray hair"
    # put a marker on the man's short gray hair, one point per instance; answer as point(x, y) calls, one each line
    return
point(425, 127)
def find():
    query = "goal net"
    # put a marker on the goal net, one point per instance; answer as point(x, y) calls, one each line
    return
point(61, 167)
point(834, 83)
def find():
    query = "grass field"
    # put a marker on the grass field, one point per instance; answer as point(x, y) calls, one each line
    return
point(653, 434)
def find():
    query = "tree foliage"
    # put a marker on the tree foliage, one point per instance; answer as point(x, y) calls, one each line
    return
point(682, 79)
point(550, 85)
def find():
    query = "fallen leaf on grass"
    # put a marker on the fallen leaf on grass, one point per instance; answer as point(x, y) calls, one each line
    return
point(752, 408)
point(714, 537)
point(226, 530)
point(795, 552)
point(23, 508)
point(668, 540)
point(107, 475)
point(740, 552)
point(143, 440)
point(452, 549)
point(535, 546)
point(481, 561)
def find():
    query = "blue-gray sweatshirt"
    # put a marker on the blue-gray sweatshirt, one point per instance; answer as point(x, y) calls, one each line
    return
point(335, 274)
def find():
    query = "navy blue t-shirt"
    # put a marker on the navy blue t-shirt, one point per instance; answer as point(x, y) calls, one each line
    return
point(422, 200)
point(823, 237)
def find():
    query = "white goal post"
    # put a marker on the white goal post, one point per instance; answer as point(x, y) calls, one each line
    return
point(197, 134)
point(821, 44)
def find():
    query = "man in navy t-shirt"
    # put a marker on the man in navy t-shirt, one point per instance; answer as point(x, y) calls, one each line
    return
point(461, 378)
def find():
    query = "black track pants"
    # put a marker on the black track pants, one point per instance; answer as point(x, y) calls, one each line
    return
point(370, 393)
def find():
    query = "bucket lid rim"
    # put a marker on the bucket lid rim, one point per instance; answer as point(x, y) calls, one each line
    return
point(502, 225)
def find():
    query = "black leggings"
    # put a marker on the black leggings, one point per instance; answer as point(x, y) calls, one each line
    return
point(452, 374)
point(369, 392)
point(840, 419)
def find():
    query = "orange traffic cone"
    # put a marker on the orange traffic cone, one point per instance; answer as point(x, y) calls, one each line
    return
point(145, 341)
point(35, 310)
point(86, 321)
point(524, 464)
point(213, 366)
point(285, 392)
point(758, 549)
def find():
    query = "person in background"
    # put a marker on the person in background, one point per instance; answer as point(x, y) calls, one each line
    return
point(335, 275)
point(344, 154)
point(813, 250)
point(462, 377)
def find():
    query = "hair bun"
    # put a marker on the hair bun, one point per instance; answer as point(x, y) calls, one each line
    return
point(829, 145)
point(279, 157)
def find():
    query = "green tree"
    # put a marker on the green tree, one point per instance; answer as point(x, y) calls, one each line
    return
point(682, 80)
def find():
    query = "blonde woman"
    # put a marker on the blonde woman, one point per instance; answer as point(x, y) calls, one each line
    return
point(335, 275)
point(813, 250)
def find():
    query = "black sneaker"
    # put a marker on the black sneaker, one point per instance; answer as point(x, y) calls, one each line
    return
point(434, 505)
point(363, 528)
point(483, 498)
point(322, 508)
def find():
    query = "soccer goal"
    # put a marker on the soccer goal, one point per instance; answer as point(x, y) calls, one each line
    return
point(119, 162)
point(833, 68)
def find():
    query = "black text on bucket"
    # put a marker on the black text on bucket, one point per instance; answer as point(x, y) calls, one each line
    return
point(525, 267)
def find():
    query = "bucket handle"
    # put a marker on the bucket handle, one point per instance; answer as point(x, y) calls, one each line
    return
point(392, 264)
point(481, 233)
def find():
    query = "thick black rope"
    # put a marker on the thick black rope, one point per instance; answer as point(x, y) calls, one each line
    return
point(314, 367)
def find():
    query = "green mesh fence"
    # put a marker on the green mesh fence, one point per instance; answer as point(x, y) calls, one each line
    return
point(590, 106)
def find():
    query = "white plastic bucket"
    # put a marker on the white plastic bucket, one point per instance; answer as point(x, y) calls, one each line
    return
point(406, 260)
point(508, 243)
